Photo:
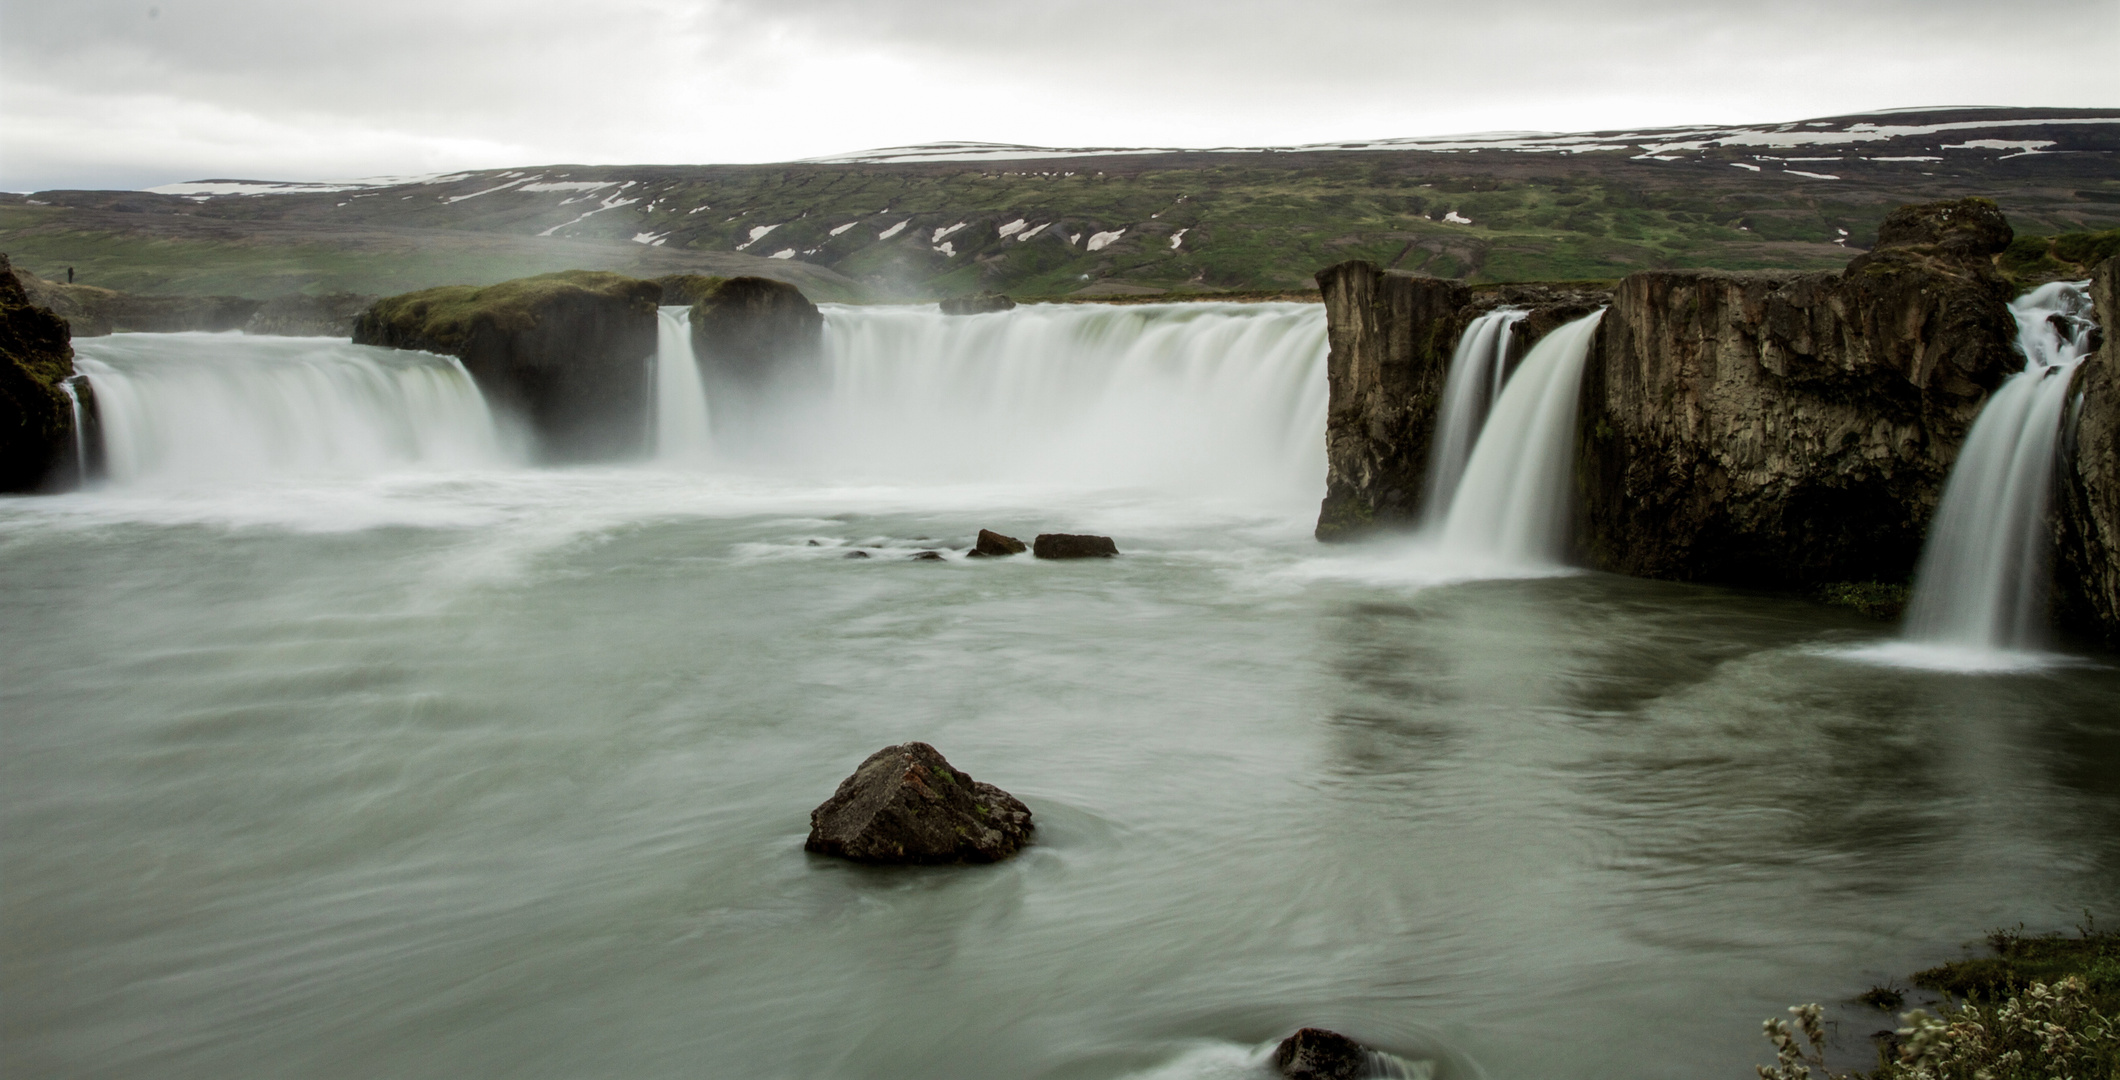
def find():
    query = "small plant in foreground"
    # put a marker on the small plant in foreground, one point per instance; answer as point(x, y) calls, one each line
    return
point(2048, 1032)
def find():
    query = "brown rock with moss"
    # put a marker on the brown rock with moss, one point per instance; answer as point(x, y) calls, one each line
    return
point(907, 805)
point(684, 290)
point(2087, 517)
point(36, 418)
point(1792, 430)
point(1319, 1054)
point(570, 353)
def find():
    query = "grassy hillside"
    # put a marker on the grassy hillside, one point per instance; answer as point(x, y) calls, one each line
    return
point(905, 227)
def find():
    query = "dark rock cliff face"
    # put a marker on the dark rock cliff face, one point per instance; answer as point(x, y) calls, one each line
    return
point(1792, 430)
point(1391, 335)
point(569, 353)
point(759, 342)
point(36, 418)
point(2087, 517)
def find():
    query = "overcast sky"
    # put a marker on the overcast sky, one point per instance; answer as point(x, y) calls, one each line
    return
point(130, 93)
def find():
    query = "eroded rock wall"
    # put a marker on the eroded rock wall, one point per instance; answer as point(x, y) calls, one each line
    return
point(760, 345)
point(571, 353)
point(1391, 335)
point(2087, 506)
point(1787, 431)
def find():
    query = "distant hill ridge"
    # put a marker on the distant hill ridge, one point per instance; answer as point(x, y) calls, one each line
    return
point(957, 218)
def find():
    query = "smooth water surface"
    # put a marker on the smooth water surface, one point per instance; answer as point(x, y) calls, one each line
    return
point(447, 770)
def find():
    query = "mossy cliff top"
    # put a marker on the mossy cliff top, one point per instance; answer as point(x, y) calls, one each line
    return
point(444, 319)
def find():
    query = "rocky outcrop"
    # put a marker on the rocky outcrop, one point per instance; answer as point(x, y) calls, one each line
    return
point(685, 290)
point(1792, 430)
point(36, 417)
point(90, 311)
point(569, 353)
point(2087, 507)
point(323, 315)
point(1318, 1054)
point(906, 805)
point(993, 545)
point(759, 342)
point(977, 304)
point(1391, 335)
point(1072, 546)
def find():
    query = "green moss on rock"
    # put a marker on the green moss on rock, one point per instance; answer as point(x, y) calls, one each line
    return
point(36, 354)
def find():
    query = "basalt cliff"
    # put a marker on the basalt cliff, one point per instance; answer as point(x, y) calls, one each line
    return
point(36, 417)
point(1787, 431)
point(1767, 429)
point(569, 354)
point(2087, 510)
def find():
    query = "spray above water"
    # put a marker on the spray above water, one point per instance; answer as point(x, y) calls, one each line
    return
point(1981, 586)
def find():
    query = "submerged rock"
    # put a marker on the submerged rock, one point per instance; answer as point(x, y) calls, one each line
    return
point(571, 353)
point(1318, 1054)
point(977, 304)
point(927, 556)
point(855, 554)
point(1073, 546)
point(992, 545)
point(36, 417)
point(906, 805)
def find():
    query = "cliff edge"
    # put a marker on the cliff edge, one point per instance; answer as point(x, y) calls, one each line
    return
point(36, 418)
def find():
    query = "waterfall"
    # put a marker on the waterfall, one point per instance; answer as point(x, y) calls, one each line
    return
point(1981, 584)
point(1470, 388)
point(1514, 502)
point(1217, 399)
point(185, 408)
point(73, 401)
point(683, 432)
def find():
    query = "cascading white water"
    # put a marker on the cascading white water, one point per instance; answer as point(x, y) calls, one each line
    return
point(73, 401)
point(1514, 502)
point(186, 408)
point(1478, 369)
point(683, 432)
point(1981, 583)
point(1225, 400)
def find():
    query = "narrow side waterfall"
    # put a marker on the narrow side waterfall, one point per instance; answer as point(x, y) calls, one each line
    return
point(683, 432)
point(1982, 581)
point(1514, 501)
point(188, 408)
point(1478, 369)
point(1217, 399)
point(80, 416)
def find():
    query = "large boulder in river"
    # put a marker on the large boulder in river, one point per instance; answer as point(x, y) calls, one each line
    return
point(1791, 430)
point(1073, 546)
point(2087, 521)
point(570, 353)
point(1318, 1054)
point(992, 545)
point(907, 805)
point(36, 418)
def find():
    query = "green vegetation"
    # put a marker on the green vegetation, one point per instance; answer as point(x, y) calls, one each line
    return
point(1877, 599)
point(2043, 1006)
point(2032, 260)
point(444, 316)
